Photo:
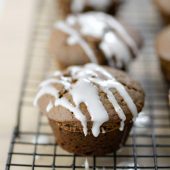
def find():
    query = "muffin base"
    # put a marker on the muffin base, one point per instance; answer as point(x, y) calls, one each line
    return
point(76, 142)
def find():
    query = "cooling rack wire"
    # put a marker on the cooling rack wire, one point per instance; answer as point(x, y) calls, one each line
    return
point(148, 147)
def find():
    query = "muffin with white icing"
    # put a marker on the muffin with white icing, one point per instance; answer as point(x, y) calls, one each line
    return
point(90, 108)
point(92, 37)
point(67, 7)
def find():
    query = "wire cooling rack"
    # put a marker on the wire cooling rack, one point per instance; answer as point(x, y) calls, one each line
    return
point(148, 146)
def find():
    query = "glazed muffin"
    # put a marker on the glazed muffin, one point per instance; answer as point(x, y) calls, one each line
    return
point(164, 9)
point(92, 37)
point(67, 7)
point(90, 108)
point(163, 51)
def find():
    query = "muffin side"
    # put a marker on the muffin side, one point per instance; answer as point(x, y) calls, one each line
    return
point(76, 142)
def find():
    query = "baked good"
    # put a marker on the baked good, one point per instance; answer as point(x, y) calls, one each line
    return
point(67, 7)
point(163, 51)
point(92, 37)
point(164, 9)
point(90, 108)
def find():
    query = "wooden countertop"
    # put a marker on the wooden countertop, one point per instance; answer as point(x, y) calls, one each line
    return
point(15, 24)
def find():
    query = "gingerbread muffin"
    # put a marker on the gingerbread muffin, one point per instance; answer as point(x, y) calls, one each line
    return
point(90, 108)
point(92, 37)
point(163, 51)
point(164, 9)
point(67, 7)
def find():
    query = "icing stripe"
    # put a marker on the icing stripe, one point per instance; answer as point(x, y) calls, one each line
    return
point(124, 94)
point(121, 90)
point(75, 38)
point(113, 46)
point(96, 24)
point(77, 112)
point(118, 28)
point(95, 67)
point(46, 90)
point(116, 106)
point(65, 83)
point(49, 106)
point(112, 82)
point(85, 91)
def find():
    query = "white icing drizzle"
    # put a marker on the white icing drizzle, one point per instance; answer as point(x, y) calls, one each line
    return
point(107, 28)
point(86, 164)
point(75, 38)
point(54, 81)
point(65, 82)
point(106, 86)
point(77, 112)
point(115, 41)
point(85, 90)
point(103, 130)
point(96, 109)
point(45, 90)
point(113, 83)
point(117, 108)
point(124, 94)
point(113, 46)
point(99, 69)
point(118, 28)
point(76, 73)
point(49, 106)
point(79, 5)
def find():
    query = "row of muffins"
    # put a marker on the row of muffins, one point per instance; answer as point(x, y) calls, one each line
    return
point(91, 104)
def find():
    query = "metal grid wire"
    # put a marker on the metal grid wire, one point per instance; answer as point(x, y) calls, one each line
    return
point(148, 146)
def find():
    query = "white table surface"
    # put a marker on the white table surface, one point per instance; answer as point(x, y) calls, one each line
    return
point(15, 24)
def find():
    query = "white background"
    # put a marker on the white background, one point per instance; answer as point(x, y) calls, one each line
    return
point(15, 24)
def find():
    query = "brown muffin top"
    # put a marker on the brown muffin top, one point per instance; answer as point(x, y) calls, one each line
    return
point(163, 44)
point(90, 96)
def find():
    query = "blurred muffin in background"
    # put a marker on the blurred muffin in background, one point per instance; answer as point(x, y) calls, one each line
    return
point(66, 7)
point(93, 37)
